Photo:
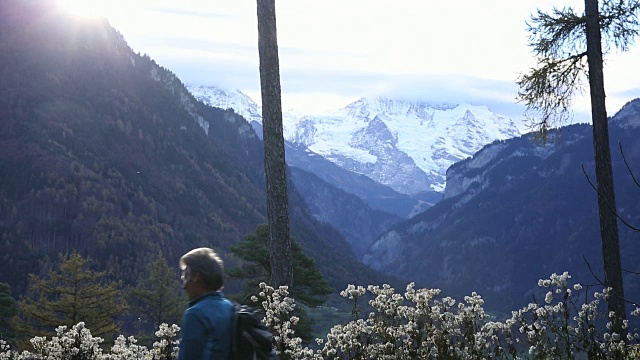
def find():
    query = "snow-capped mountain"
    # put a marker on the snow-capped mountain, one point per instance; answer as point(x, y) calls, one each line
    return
point(405, 145)
point(228, 99)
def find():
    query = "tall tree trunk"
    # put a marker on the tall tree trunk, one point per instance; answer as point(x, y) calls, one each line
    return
point(274, 161)
point(604, 173)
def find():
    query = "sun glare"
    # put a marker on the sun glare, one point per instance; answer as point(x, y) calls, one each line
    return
point(85, 8)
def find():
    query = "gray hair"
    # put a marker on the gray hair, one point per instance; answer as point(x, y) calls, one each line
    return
point(206, 262)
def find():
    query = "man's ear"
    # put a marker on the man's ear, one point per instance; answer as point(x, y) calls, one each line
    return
point(196, 277)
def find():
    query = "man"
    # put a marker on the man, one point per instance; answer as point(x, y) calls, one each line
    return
point(206, 324)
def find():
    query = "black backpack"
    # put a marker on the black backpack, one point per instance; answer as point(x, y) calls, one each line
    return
point(250, 338)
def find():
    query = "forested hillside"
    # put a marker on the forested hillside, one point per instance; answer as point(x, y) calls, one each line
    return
point(103, 151)
point(518, 211)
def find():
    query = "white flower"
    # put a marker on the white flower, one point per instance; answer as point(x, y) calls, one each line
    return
point(544, 283)
point(577, 287)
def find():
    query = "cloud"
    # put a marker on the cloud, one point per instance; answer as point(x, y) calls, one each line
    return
point(498, 95)
point(226, 73)
point(438, 88)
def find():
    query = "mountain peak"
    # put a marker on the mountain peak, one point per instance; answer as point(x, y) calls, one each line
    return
point(394, 106)
point(627, 116)
point(373, 136)
point(227, 99)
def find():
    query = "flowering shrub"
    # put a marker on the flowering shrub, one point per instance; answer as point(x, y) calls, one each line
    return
point(419, 324)
point(278, 307)
point(79, 344)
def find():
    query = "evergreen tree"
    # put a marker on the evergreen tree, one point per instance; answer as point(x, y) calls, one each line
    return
point(273, 138)
point(8, 309)
point(310, 288)
point(158, 297)
point(569, 47)
point(69, 295)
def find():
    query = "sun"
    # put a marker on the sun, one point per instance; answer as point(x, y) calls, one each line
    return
point(85, 8)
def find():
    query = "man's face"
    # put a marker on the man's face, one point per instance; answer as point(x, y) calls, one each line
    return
point(189, 282)
point(185, 276)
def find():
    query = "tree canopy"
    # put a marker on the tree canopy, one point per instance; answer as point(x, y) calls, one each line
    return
point(559, 42)
point(310, 288)
point(70, 294)
point(309, 285)
point(158, 297)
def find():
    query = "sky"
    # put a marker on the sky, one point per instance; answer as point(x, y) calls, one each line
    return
point(335, 52)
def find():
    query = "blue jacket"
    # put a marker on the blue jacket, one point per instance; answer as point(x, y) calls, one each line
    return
point(206, 328)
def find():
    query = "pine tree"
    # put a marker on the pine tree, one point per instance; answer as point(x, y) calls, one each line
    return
point(274, 161)
point(8, 309)
point(569, 48)
point(310, 288)
point(69, 295)
point(158, 296)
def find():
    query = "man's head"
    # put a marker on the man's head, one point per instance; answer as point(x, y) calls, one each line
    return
point(202, 272)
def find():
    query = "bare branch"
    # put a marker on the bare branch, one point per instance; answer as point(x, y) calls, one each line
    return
point(592, 273)
point(627, 164)
point(605, 286)
point(608, 205)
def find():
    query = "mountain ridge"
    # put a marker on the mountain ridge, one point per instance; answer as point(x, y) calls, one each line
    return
point(516, 212)
point(419, 141)
point(104, 152)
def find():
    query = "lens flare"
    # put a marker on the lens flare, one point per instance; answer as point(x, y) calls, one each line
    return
point(85, 8)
